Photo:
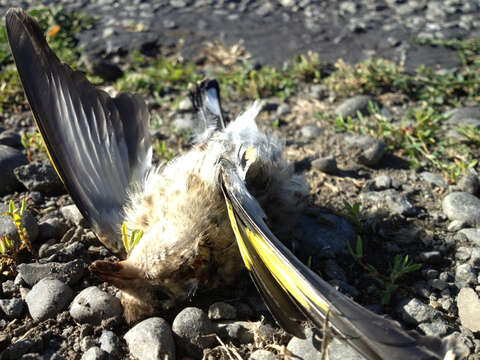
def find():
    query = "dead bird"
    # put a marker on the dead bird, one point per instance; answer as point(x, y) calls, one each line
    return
point(201, 213)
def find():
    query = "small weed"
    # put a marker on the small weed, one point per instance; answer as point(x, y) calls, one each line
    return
point(402, 266)
point(8, 248)
point(160, 148)
point(157, 76)
point(129, 242)
point(31, 142)
point(353, 213)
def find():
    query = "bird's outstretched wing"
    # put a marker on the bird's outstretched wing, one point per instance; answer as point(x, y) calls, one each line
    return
point(293, 292)
point(99, 145)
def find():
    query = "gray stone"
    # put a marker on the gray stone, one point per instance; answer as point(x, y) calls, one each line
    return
point(262, 355)
point(10, 159)
point(306, 349)
point(333, 234)
point(382, 182)
point(327, 164)
point(436, 179)
point(438, 284)
point(371, 149)
point(47, 298)
point(391, 199)
point(465, 274)
point(11, 138)
point(319, 91)
point(9, 287)
point(456, 225)
point(94, 353)
point(437, 328)
point(51, 228)
point(71, 213)
point(18, 349)
point(151, 339)
point(222, 311)
point(475, 257)
point(93, 305)
point(460, 116)
point(472, 234)
point(430, 257)
point(415, 312)
point(353, 105)
point(40, 177)
point(8, 228)
point(287, 3)
point(462, 206)
point(310, 131)
point(283, 109)
point(469, 182)
point(12, 308)
point(468, 305)
point(192, 330)
point(238, 331)
point(338, 350)
point(69, 273)
point(110, 343)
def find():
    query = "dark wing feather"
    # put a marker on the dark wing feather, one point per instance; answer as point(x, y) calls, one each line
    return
point(99, 145)
point(374, 336)
point(207, 103)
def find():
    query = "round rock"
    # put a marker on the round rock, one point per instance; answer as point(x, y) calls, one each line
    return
point(69, 272)
point(263, 355)
point(327, 164)
point(222, 310)
point(10, 159)
point(310, 131)
point(47, 298)
point(353, 105)
point(371, 149)
point(309, 348)
point(93, 305)
point(12, 308)
point(468, 305)
point(40, 177)
point(94, 353)
point(151, 339)
point(192, 330)
point(414, 312)
point(109, 342)
point(462, 206)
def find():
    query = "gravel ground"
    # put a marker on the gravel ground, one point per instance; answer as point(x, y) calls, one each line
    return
point(55, 309)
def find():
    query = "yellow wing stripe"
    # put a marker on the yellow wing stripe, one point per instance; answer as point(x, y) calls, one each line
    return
point(48, 150)
point(243, 250)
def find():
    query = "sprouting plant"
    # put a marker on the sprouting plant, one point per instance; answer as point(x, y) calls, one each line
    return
point(402, 265)
point(32, 141)
point(9, 245)
point(129, 242)
point(161, 149)
point(353, 213)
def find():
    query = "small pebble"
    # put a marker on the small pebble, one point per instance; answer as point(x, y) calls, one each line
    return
point(93, 305)
point(192, 329)
point(462, 206)
point(327, 164)
point(222, 311)
point(151, 339)
point(47, 298)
